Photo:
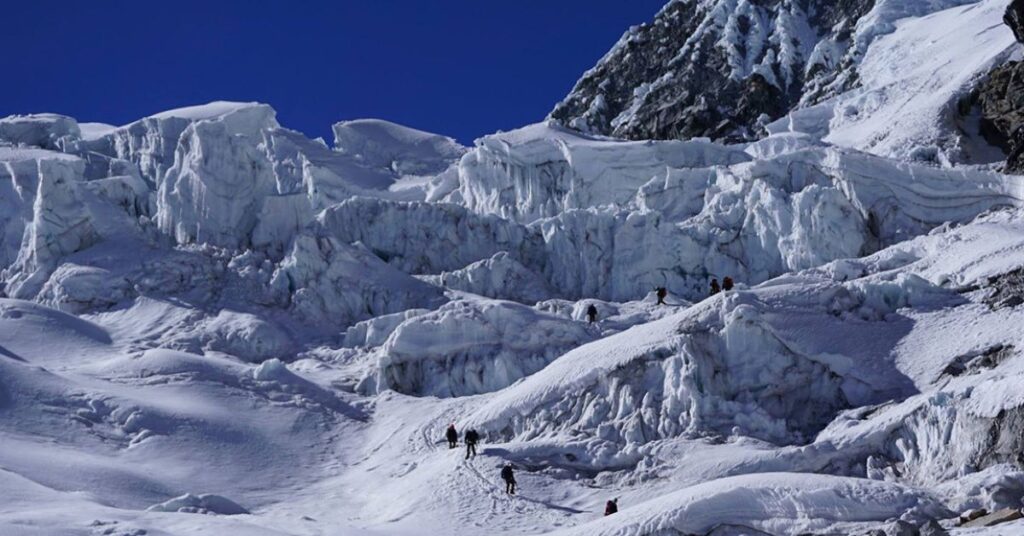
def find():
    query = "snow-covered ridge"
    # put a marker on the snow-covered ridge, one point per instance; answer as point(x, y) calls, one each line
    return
point(865, 69)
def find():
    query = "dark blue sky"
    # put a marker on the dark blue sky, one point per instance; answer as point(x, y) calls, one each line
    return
point(458, 67)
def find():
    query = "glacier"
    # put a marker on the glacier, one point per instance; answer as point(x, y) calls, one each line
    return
point(210, 322)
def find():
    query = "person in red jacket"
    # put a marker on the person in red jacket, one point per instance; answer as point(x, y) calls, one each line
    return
point(611, 507)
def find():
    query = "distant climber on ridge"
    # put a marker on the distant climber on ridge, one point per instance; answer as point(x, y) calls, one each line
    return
point(509, 478)
point(662, 292)
point(592, 314)
point(472, 437)
point(715, 289)
point(727, 283)
point(611, 507)
point(452, 435)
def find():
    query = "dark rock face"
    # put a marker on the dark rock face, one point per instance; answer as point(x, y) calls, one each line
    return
point(1001, 102)
point(1001, 99)
point(974, 363)
point(1006, 290)
point(717, 69)
point(1014, 18)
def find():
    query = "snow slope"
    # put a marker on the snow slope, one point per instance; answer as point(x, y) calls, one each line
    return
point(210, 323)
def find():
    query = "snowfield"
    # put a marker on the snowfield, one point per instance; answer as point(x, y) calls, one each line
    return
point(210, 323)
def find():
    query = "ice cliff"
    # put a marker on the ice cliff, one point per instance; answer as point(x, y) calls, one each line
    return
point(205, 312)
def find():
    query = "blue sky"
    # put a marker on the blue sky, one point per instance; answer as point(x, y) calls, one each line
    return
point(458, 67)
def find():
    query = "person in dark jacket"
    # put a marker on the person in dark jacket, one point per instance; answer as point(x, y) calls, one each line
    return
point(727, 283)
point(592, 314)
point(452, 435)
point(715, 289)
point(611, 507)
point(662, 292)
point(471, 439)
point(509, 478)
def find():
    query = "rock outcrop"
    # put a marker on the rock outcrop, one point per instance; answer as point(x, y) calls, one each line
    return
point(722, 69)
point(1001, 99)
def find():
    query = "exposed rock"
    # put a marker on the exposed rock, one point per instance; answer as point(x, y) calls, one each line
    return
point(1006, 290)
point(1001, 102)
point(933, 528)
point(758, 59)
point(971, 515)
point(974, 362)
point(995, 518)
point(1001, 99)
point(1014, 18)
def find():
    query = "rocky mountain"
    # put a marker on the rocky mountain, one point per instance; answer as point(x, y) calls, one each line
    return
point(1000, 99)
point(725, 69)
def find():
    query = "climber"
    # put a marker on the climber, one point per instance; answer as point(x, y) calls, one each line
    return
point(592, 314)
point(509, 478)
point(727, 283)
point(452, 435)
point(715, 289)
point(662, 292)
point(611, 507)
point(471, 439)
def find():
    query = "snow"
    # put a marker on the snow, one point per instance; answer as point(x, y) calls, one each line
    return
point(471, 346)
point(774, 503)
point(403, 150)
point(903, 109)
point(217, 109)
point(92, 131)
point(49, 131)
point(543, 170)
point(199, 504)
point(211, 323)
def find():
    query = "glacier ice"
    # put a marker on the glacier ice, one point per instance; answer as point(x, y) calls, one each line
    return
point(221, 304)
point(471, 346)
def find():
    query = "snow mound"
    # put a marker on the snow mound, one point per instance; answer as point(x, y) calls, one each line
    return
point(738, 363)
point(425, 238)
point(79, 289)
point(472, 346)
point(801, 205)
point(328, 282)
point(375, 331)
point(206, 503)
point(541, 170)
point(772, 503)
point(48, 131)
point(21, 318)
point(402, 150)
point(212, 110)
point(500, 276)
